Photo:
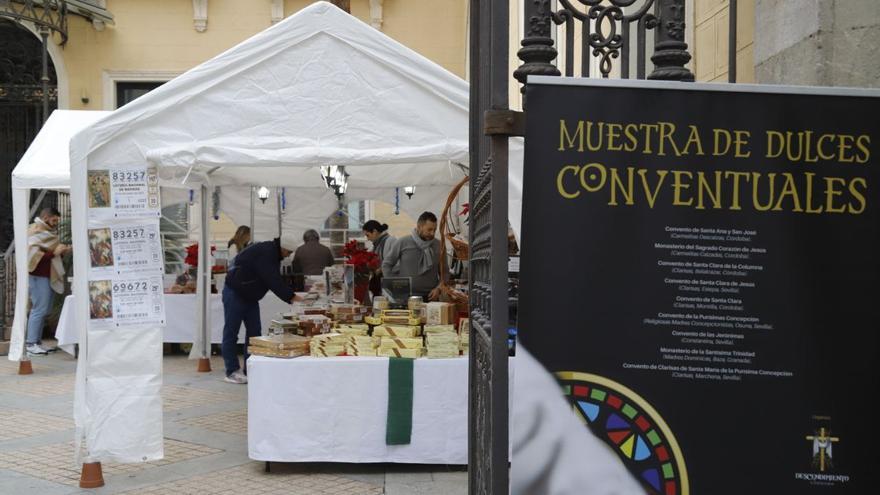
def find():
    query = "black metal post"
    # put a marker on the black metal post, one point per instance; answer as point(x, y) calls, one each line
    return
point(731, 44)
point(488, 470)
point(537, 47)
point(2, 293)
point(498, 100)
point(44, 34)
point(670, 50)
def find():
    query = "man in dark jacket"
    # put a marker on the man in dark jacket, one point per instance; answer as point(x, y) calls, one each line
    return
point(256, 271)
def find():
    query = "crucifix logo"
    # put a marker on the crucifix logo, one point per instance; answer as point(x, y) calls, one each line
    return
point(822, 448)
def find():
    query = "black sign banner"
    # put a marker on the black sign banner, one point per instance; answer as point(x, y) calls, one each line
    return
point(699, 267)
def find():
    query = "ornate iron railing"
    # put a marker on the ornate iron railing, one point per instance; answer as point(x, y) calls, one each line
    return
point(602, 31)
point(21, 67)
point(48, 15)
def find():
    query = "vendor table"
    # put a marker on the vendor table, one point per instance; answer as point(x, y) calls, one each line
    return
point(181, 318)
point(335, 410)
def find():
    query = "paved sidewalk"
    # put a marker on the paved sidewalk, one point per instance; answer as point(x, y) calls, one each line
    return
point(205, 444)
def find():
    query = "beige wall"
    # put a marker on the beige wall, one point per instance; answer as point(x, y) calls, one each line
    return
point(711, 21)
point(398, 225)
point(434, 28)
point(156, 39)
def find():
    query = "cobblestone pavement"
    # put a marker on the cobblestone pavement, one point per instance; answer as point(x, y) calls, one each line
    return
point(205, 444)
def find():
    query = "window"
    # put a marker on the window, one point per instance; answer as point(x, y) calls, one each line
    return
point(127, 92)
point(344, 225)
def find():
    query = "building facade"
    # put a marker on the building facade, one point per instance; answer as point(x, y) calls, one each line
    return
point(102, 54)
point(117, 50)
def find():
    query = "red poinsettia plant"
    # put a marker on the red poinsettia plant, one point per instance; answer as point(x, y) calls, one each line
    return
point(192, 255)
point(364, 261)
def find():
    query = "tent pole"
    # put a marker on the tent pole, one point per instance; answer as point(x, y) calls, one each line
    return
point(205, 283)
point(33, 211)
point(206, 256)
point(253, 225)
point(278, 209)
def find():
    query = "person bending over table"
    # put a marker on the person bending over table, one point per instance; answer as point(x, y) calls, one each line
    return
point(256, 271)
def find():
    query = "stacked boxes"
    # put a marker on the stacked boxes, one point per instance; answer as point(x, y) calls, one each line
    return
point(286, 346)
point(328, 344)
point(440, 313)
point(310, 325)
point(396, 331)
point(282, 326)
point(352, 329)
point(409, 347)
point(394, 317)
point(442, 341)
point(361, 345)
point(348, 313)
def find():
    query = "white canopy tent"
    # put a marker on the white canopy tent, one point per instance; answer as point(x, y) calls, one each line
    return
point(45, 165)
point(319, 88)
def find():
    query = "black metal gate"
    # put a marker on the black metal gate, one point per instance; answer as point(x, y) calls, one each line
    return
point(488, 410)
point(28, 93)
point(599, 32)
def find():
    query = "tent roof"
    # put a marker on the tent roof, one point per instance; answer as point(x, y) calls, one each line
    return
point(46, 163)
point(318, 88)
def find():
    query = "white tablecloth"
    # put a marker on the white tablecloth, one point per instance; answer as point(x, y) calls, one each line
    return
point(334, 410)
point(181, 318)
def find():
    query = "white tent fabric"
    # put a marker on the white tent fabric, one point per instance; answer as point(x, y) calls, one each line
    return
point(45, 165)
point(308, 208)
point(318, 88)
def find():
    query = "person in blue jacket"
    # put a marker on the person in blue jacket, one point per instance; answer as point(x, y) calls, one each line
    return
point(256, 271)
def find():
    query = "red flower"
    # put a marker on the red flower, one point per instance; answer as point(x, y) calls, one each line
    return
point(192, 255)
point(465, 209)
point(356, 255)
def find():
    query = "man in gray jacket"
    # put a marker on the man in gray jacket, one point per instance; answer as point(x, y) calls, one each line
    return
point(418, 256)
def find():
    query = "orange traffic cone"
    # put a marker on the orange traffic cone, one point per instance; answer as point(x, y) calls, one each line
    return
point(204, 365)
point(92, 476)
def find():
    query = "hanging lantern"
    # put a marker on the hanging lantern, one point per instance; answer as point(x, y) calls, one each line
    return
point(409, 191)
point(336, 178)
point(263, 193)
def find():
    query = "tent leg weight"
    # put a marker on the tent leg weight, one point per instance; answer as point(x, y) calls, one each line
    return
point(204, 365)
point(25, 367)
point(92, 476)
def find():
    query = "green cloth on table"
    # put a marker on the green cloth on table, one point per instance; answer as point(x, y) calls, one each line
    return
point(398, 428)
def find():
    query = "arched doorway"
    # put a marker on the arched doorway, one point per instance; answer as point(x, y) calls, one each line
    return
point(22, 113)
point(21, 106)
